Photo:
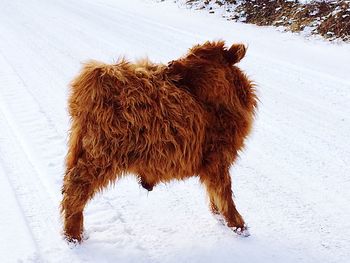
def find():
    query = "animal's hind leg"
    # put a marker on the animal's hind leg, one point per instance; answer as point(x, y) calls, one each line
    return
point(81, 182)
point(218, 185)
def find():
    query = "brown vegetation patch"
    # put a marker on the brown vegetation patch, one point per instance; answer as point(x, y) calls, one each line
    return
point(330, 19)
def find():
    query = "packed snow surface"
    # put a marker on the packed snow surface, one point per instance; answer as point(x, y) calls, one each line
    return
point(291, 183)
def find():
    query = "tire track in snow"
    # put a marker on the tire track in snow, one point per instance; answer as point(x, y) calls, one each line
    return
point(35, 132)
point(36, 198)
point(14, 227)
point(34, 201)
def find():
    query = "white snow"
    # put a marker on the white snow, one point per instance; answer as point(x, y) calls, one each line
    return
point(291, 183)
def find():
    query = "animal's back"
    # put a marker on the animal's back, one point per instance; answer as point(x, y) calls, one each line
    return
point(145, 122)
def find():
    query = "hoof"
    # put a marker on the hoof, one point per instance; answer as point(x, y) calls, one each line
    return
point(73, 240)
point(242, 231)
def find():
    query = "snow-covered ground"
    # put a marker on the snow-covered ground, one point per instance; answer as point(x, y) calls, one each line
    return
point(291, 184)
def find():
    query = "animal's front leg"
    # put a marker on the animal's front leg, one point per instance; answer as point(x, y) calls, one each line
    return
point(217, 181)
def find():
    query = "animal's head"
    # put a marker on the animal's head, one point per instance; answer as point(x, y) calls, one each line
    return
point(209, 72)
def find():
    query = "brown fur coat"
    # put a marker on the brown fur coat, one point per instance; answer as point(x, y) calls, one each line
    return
point(159, 122)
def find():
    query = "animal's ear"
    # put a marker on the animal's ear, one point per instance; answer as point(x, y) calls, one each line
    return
point(235, 53)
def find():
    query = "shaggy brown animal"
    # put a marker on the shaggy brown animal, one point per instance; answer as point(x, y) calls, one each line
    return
point(158, 122)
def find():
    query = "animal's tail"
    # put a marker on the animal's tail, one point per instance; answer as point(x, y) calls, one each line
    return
point(90, 103)
point(93, 85)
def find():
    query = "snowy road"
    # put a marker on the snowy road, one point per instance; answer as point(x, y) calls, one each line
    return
point(291, 184)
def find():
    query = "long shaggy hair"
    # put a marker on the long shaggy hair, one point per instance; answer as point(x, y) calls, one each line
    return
point(158, 122)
